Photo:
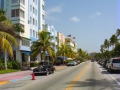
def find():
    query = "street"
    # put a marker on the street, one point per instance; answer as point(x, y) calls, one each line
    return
point(85, 76)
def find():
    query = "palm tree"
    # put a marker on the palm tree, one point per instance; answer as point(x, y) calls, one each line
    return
point(62, 51)
point(6, 41)
point(71, 53)
point(7, 35)
point(8, 27)
point(118, 32)
point(44, 45)
point(102, 48)
point(113, 41)
point(106, 44)
point(80, 51)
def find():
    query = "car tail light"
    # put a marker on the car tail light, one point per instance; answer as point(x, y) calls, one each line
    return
point(112, 64)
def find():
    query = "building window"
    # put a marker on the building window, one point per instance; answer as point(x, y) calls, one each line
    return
point(30, 32)
point(30, 19)
point(36, 34)
point(15, 13)
point(36, 11)
point(22, 1)
point(36, 1)
point(25, 42)
point(33, 21)
point(15, 1)
point(30, 7)
point(36, 22)
point(21, 13)
point(33, 33)
point(33, 10)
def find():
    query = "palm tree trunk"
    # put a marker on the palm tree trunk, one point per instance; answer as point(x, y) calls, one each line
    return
point(5, 60)
point(44, 56)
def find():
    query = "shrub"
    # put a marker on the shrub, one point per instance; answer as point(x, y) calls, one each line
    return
point(15, 64)
point(81, 60)
point(2, 66)
point(9, 64)
point(34, 64)
point(67, 61)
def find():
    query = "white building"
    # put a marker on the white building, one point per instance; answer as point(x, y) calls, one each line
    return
point(53, 32)
point(30, 15)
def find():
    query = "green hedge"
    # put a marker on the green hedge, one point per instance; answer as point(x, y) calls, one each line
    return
point(11, 64)
point(34, 64)
point(2, 67)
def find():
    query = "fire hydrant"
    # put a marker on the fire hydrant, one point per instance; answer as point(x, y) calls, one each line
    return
point(33, 76)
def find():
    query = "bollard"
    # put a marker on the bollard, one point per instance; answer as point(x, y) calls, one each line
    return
point(33, 76)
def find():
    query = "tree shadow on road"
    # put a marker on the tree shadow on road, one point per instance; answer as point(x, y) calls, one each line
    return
point(93, 84)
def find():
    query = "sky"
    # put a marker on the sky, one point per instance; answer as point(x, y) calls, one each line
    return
point(89, 21)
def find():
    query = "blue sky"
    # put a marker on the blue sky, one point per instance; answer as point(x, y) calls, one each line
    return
point(89, 21)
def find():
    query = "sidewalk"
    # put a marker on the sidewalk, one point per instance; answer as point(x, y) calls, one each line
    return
point(10, 77)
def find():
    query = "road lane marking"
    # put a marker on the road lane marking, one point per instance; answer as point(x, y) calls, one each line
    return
point(114, 79)
point(109, 75)
point(77, 78)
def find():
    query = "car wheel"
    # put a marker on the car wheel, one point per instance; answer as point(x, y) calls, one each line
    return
point(110, 70)
point(53, 71)
point(47, 73)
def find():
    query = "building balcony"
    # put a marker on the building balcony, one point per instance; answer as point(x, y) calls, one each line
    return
point(43, 3)
point(52, 34)
point(70, 44)
point(43, 12)
point(55, 43)
point(47, 28)
point(43, 22)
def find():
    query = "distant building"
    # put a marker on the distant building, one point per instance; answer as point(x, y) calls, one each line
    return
point(52, 32)
point(60, 39)
point(71, 44)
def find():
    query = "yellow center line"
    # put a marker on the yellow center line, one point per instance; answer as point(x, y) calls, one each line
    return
point(77, 78)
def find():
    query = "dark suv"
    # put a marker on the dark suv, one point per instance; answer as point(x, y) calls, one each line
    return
point(45, 67)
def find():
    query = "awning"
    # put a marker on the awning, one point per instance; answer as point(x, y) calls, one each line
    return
point(26, 52)
point(47, 54)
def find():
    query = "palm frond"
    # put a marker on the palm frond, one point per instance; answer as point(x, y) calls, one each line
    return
point(6, 47)
point(9, 37)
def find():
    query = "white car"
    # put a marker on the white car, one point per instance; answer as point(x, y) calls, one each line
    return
point(113, 64)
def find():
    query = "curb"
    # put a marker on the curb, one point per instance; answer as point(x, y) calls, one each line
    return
point(14, 80)
point(61, 68)
point(4, 82)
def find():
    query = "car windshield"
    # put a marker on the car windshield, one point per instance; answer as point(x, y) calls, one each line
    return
point(116, 61)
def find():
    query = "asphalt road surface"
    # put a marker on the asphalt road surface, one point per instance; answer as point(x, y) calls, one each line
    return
point(85, 76)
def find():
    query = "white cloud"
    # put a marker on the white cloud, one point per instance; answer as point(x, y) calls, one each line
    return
point(96, 14)
point(74, 19)
point(49, 13)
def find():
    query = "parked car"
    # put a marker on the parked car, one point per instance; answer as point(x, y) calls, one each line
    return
point(45, 67)
point(113, 64)
point(78, 62)
point(92, 60)
point(105, 62)
point(72, 63)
